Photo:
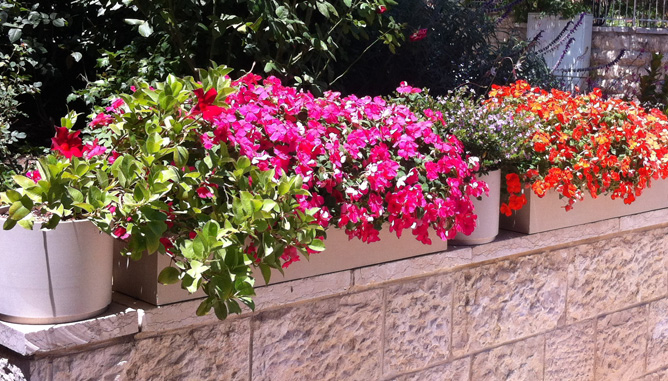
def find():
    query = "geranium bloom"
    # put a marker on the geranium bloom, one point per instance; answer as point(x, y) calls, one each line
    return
point(419, 35)
point(68, 144)
point(205, 105)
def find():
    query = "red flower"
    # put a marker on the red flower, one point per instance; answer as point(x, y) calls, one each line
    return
point(513, 183)
point(205, 104)
point(381, 9)
point(419, 35)
point(68, 144)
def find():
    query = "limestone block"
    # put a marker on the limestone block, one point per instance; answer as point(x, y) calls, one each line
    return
point(417, 324)
point(621, 343)
point(514, 243)
point(108, 363)
point(220, 351)
point(660, 375)
point(336, 339)
point(617, 273)
point(210, 352)
point(569, 352)
point(657, 322)
point(519, 361)
point(421, 265)
point(457, 370)
point(508, 300)
point(644, 220)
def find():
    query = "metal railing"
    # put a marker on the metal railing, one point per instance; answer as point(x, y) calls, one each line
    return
point(631, 13)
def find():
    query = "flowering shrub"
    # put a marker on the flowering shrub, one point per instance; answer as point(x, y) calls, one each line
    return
point(583, 145)
point(224, 176)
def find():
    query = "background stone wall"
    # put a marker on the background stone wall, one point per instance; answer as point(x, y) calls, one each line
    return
point(583, 303)
point(639, 44)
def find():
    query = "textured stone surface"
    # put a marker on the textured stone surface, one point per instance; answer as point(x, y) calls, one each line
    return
point(511, 243)
point(660, 375)
point(621, 343)
point(10, 372)
point(302, 289)
point(425, 264)
point(210, 352)
point(417, 324)
point(178, 356)
point(30, 339)
point(569, 352)
point(336, 339)
point(643, 220)
point(657, 323)
point(457, 370)
point(519, 361)
point(617, 273)
point(508, 300)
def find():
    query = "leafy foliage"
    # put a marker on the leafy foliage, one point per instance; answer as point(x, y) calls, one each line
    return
point(654, 89)
point(452, 44)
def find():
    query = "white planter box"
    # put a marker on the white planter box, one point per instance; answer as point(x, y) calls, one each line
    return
point(487, 210)
point(548, 213)
point(139, 278)
point(56, 276)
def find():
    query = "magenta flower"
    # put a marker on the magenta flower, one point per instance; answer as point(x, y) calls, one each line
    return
point(419, 35)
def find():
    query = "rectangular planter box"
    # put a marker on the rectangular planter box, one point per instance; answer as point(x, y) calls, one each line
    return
point(139, 278)
point(548, 213)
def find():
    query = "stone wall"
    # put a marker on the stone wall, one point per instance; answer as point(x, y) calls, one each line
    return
point(582, 303)
point(639, 43)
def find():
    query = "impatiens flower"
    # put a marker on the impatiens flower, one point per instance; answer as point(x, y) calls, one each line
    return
point(101, 119)
point(115, 106)
point(204, 192)
point(205, 105)
point(68, 144)
point(93, 149)
point(405, 89)
point(121, 233)
point(419, 35)
point(34, 176)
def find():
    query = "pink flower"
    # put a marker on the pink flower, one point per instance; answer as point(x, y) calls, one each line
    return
point(115, 105)
point(381, 9)
point(112, 158)
point(101, 119)
point(289, 256)
point(204, 192)
point(68, 144)
point(419, 35)
point(34, 176)
point(133, 88)
point(93, 149)
point(405, 89)
point(121, 233)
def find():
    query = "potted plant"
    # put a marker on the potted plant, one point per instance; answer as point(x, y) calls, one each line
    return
point(491, 140)
point(581, 146)
point(223, 177)
point(52, 276)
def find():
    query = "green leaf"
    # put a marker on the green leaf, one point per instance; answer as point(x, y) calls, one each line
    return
point(282, 12)
point(14, 34)
point(204, 308)
point(317, 245)
point(169, 275)
point(20, 209)
point(153, 143)
point(181, 156)
point(23, 181)
point(76, 195)
point(220, 310)
point(26, 223)
point(145, 29)
point(266, 272)
point(9, 224)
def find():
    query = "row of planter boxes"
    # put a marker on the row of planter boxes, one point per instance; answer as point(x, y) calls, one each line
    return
point(65, 275)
